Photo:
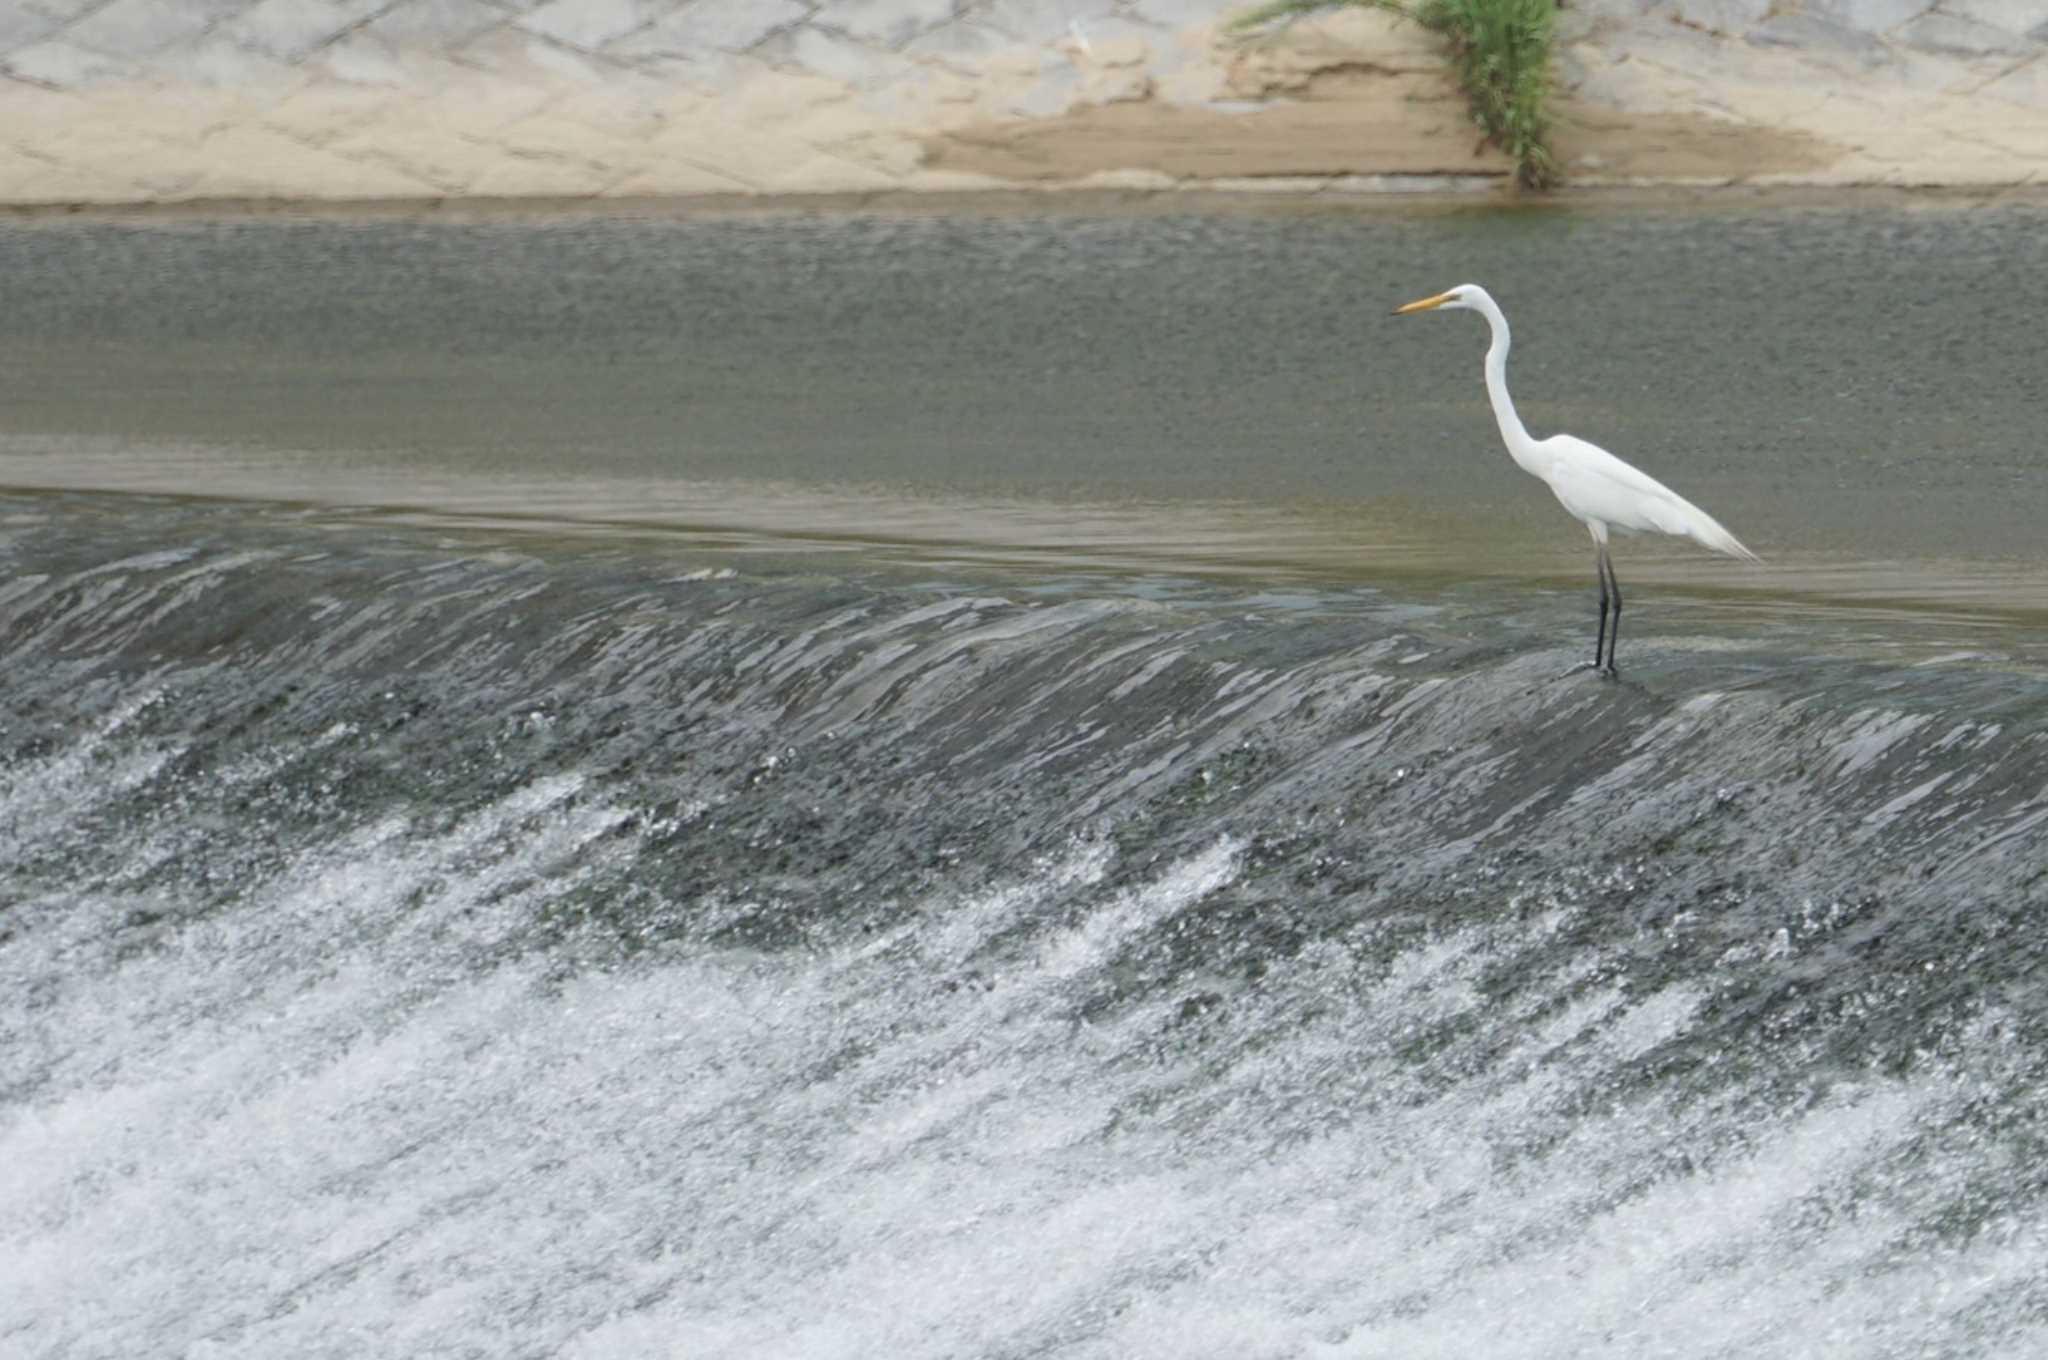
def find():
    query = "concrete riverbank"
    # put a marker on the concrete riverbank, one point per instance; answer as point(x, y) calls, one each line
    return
point(169, 101)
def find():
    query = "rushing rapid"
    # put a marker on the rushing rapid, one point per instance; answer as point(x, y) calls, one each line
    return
point(418, 942)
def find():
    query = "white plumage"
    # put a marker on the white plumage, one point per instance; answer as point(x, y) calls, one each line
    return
point(1595, 487)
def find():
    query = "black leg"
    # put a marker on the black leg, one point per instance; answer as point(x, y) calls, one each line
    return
point(1600, 639)
point(1610, 584)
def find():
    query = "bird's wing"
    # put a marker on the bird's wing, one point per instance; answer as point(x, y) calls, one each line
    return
point(1595, 485)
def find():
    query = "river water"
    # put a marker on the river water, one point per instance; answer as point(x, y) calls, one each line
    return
point(966, 783)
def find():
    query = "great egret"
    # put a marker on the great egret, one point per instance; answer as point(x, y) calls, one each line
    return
point(1599, 490)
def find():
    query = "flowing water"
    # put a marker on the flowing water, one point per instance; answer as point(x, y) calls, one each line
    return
point(966, 785)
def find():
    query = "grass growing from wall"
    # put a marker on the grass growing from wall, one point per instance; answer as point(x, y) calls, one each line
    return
point(1501, 49)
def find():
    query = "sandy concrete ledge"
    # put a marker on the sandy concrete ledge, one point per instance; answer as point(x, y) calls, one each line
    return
point(230, 101)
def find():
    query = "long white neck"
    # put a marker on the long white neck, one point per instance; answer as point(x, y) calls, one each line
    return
point(1512, 432)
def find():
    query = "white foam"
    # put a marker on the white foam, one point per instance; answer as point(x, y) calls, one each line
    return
point(348, 1116)
point(1893, 808)
point(1872, 736)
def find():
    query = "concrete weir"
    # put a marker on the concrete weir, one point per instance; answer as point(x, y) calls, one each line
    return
point(167, 101)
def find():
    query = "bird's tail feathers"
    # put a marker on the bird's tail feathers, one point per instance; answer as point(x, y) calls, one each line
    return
point(1675, 515)
point(1706, 531)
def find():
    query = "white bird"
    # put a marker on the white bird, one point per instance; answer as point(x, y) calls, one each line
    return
point(1598, 489)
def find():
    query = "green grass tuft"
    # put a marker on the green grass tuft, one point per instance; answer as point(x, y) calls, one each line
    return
point(1501, 49)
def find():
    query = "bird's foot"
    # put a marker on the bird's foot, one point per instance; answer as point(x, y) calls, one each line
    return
point(1581, 669)
point(1608, 672)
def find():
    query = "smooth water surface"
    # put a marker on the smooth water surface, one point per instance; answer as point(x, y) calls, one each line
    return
point(1859, 393)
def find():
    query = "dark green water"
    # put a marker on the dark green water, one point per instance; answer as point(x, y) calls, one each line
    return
point(1860, 393)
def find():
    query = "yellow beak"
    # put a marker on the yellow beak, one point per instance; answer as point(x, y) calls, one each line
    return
point(1424, 305)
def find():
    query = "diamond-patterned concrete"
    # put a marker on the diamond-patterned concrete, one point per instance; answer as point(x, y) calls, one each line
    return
point(1939, 32)
point(145, 100)
point(61, 65)
point(1871, 16)
point(884, 23)
point(713, 25)
point(290, 29)
point(1716, 16)
point(590, 24)
point(430, 24)
point(136, 28)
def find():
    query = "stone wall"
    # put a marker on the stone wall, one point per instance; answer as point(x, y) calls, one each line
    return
point(167, 100)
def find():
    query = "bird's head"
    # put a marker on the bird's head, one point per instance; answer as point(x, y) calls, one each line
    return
point(1465, 295)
